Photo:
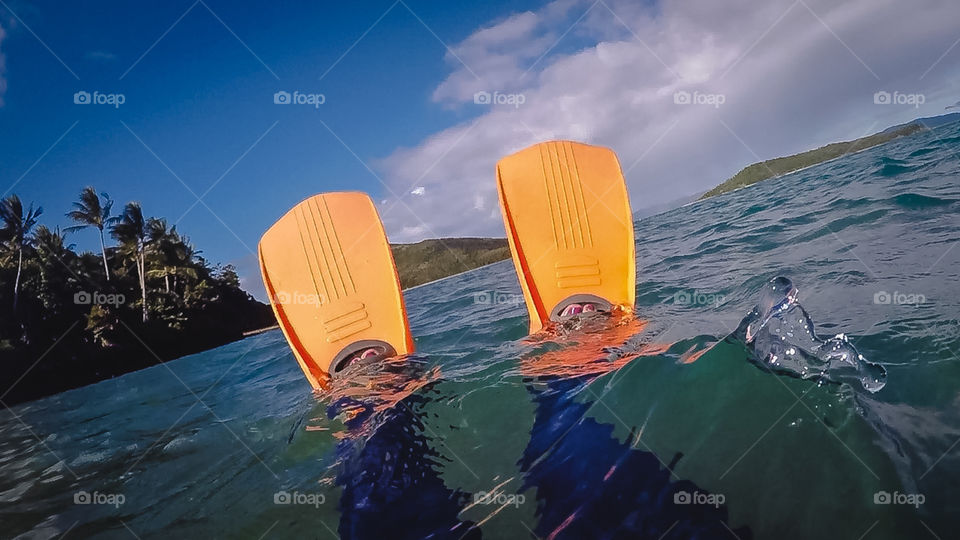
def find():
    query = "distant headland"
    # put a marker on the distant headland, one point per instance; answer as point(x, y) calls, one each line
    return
point(773, 168)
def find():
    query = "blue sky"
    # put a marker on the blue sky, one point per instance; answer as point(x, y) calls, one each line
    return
point(201, 98)
point(399, 119)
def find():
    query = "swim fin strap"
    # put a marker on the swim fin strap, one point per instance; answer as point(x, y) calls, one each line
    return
point(333, 284)
point(569, 226)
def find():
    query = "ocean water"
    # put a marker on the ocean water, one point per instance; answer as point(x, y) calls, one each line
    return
point(667, 425)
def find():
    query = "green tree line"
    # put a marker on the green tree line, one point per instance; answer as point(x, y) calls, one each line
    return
point(429, 260)
point(69, 318)
point(773, 168)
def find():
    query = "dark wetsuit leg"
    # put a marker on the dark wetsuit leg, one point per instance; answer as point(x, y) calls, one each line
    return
point(593, 486)
point(391, 488)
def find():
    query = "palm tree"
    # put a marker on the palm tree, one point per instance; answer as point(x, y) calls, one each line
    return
point(161, 238)
point(131, 231)
point(93, 211)
point(57, 263)
point(16, 227)
point(52, 244)
point(52, 249)
point(173, 253)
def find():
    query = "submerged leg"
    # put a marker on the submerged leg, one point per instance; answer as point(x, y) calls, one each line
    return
point(590, 485)
point(392, 486)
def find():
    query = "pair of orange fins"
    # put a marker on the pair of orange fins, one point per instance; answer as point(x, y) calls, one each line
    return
point(333, 285)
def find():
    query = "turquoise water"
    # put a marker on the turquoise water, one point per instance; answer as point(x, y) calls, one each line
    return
point(674, 432)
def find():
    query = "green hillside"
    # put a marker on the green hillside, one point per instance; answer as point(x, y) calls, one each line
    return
point(783, 165)
point(430, 260)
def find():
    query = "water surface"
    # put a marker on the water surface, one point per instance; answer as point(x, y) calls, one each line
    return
point(486, 434)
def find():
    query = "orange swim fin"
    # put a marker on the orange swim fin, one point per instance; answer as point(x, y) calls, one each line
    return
point(570, 228)
point(333, 284)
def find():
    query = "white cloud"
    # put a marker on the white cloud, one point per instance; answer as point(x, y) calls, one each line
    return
point(792, 78)
point(494, 58)
point(419, 191)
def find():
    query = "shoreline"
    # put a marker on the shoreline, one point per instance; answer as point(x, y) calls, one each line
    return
point(249, 333)
point(454, 275)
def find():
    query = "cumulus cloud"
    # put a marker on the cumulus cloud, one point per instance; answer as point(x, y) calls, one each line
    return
point(498, 57)
point(791, 74)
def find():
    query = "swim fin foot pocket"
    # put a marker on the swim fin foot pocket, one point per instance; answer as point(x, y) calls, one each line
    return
point(570, 228)
point(332, 283)
point(600, 305)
